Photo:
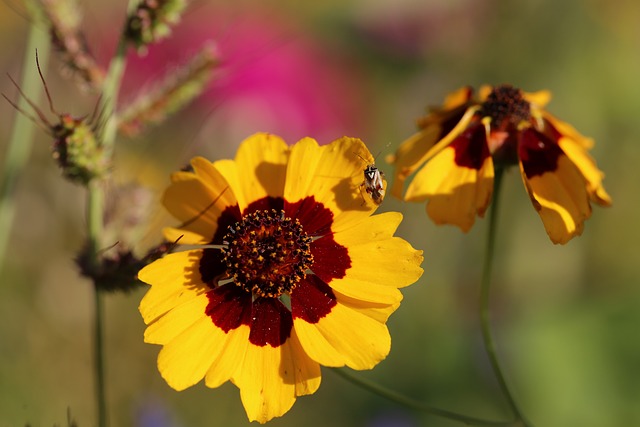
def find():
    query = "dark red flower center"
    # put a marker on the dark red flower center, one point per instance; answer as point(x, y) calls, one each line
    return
point(267, 253)
point(507, 107)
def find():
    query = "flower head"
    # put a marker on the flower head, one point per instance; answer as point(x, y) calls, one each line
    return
point(296, 272)
point(460, 144)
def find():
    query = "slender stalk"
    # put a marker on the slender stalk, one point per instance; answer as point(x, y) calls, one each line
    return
point(94, 224)
point(419, 406)
point(95, 216)
point(484, 300)
point(112, 85)
point(21, 137)
point(101, 398)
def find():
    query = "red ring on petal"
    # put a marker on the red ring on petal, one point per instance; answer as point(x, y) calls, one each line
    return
point(312, 300)
point(229, 307)
point(538, 153)
point(271, 322)
point(471, 148)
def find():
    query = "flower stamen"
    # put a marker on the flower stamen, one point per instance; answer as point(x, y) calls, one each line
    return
point(267, 253)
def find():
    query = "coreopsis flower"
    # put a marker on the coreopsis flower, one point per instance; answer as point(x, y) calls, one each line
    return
point(460, 145)
point(294, 272)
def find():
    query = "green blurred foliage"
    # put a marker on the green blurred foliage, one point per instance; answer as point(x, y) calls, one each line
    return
point(566, 318)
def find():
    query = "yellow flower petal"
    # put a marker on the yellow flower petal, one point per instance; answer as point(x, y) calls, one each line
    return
point(302, 179)
point(587, 166)
point(185, 360)
point(424, 145)
point(377, 258)
point(306, 371)
point(183, 237)
point(377, 311)
point(211, 176)
point(272, 379)
point(174, 279)
point(411, 155)
point(365, 290)
point(316, 345)
point(198, 201)
point(561, 199)
point(261, 162)
point(540, 98)
point(361, 345)
point(457, 98)
point(333, 175)
point(568, 131)
point(484, 92)
point(267, 380)
point(166, 328)
point(229, 169)
point(233, 346)
point(456, 193)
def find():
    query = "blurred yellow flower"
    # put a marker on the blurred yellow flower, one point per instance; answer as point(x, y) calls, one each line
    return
point(297, 273)
point(459, 145)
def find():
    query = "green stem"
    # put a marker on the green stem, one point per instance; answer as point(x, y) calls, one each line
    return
point(95, 225)
point(101, 397)
point(414, 404)
point(484, 300)
point(21, 138)
point(112, 86)
point(95, 215)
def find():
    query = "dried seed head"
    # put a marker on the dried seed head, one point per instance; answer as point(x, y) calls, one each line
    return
point(114, 272)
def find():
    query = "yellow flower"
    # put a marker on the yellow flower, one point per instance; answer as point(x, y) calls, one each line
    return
point(459, 145)
point(297, 272)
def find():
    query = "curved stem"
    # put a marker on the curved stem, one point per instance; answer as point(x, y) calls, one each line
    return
point(484, 300)
point(419, 406)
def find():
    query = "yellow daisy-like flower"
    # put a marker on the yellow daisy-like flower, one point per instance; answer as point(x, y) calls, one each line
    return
point(459, 145)
point(297, 273)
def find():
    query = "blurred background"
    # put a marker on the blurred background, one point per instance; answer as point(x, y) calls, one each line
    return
point(565, 318)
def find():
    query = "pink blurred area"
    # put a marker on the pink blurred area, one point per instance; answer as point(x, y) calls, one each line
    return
point(275, 76)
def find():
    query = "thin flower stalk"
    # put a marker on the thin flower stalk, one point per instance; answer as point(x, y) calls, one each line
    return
point(419, 406)
point(484, 301)
point(95, 217)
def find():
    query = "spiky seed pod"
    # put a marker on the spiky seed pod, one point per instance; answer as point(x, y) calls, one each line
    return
point(78, 151)
point(76, 146)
